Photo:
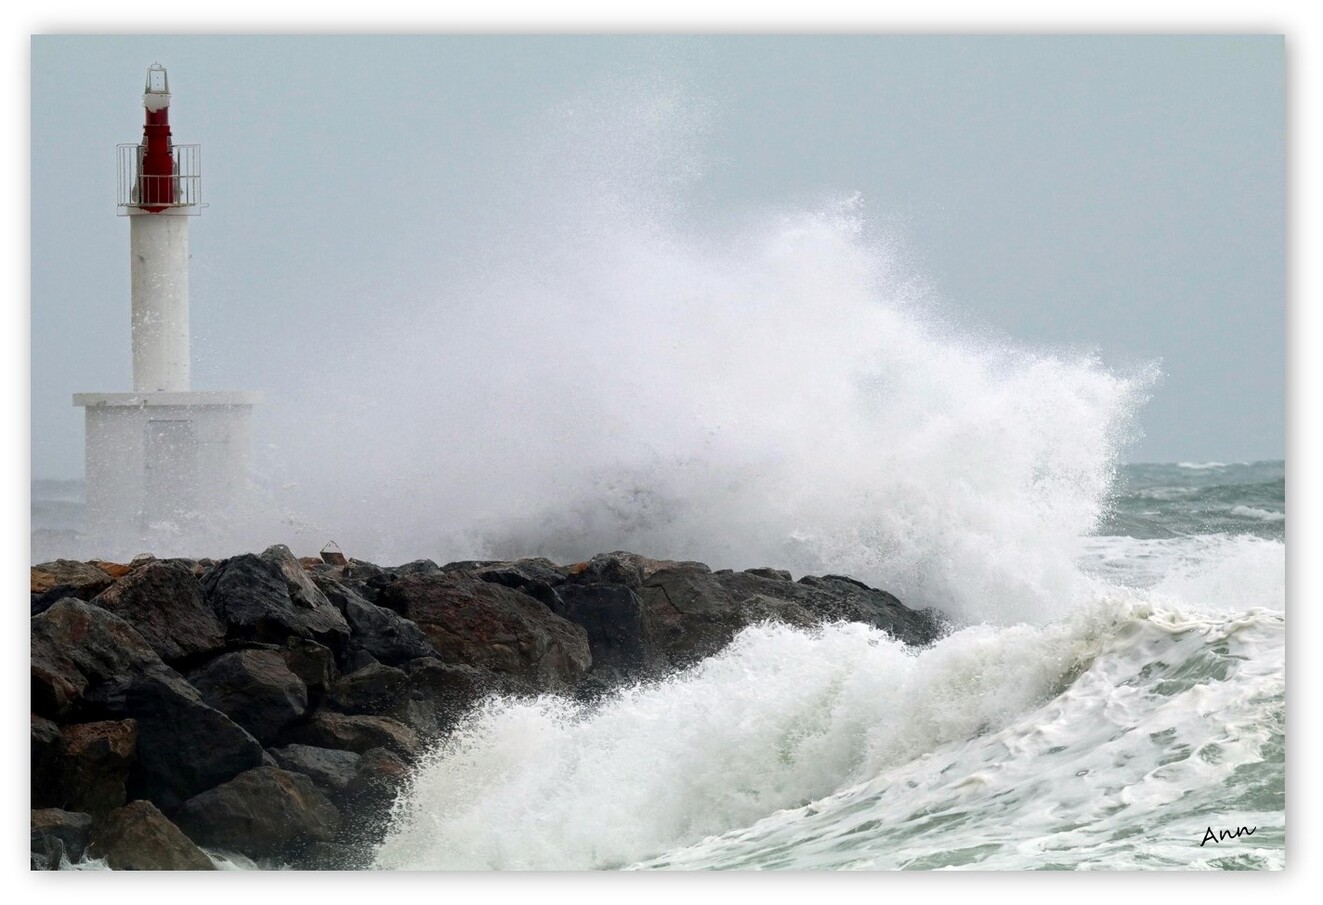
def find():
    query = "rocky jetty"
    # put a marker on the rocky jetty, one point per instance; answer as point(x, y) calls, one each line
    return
point(270, 706)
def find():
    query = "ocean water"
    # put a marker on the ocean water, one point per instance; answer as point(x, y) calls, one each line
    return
point(1113, 737)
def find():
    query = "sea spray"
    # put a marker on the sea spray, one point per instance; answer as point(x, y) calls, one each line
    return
point(786, 725)
point(778, 719)
point(772, 391)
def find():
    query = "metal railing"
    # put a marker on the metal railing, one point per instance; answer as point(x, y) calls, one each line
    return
point(183, 189)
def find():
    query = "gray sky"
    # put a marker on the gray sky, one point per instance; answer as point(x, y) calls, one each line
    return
point(1124, 194)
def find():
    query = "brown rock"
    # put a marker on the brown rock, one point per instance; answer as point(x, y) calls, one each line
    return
point(164, 602)
point(489, 625)
point(74, 645)
point(139, 837)
point(56, 832)
point(263, 813)
point(113, 569)
point(328, 729)
point(95, 765)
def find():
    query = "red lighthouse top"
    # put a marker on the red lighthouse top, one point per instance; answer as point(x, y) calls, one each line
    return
point(158, 175)
point(157, 184)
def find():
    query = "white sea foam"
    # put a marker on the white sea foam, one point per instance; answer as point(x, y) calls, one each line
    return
point(789, 738)
point(1263, 515)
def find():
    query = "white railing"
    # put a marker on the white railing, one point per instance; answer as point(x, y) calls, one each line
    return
point(132, 186)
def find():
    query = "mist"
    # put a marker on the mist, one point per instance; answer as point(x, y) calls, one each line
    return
point(618, 373)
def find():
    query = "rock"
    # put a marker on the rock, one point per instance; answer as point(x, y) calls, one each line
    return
point(184, 746)
point(139, 837)
point(351, 732)
point(255, 688)
point(262, 813)
point(624, 568)
point(366, 801)
point(330, 769)
point(313, 663)
point(692, 616)
point(51, 581)
point(420, 714)
point(75, 645)
point(113, 569)
point(164, 602)
point(269, 598)
point(379, 777)
point(417, 567)
point(618, 628)
point(454, 687)
point(72, 831)
point(493, 627)
point(359, 659)
point(368, 690)
point(95, 766)
point(694, 612)
point(381, 632)
point(836, 597)
point(47, 747)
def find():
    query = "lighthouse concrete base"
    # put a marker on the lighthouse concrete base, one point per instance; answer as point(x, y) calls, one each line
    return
point(165, 464)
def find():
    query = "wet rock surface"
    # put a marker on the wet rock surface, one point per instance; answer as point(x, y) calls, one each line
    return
point(273, 706)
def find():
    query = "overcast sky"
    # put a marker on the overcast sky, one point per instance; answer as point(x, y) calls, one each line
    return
point(1123, 194)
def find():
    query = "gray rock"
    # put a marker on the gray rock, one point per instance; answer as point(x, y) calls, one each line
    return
point(58, 832)
point(269, 598)
point(164, 602)
point(371, 689)
point(382, 633)
point(261, 813)
point(139, 837)
point(184, 746)
point(255, 688)
point(330, 769)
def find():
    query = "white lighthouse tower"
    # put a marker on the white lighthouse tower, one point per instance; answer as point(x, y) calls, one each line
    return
point(162, 460)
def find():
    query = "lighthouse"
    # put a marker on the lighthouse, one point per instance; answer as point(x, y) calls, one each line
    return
point(163, 460)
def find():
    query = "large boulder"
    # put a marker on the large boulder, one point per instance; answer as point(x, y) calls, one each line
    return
point(75, 645)
point(313, 663)
point(691, 615)
point(164, 602)
point(693, 612)
point(838, 598)
point(330, 769)
point(381, 632)
point(52, 581)
point(619, 629)
point(372, 689)
point(487, 625)
point(255, 688)
point(95, 765)
point(269, 598)
point(262, 813)
point(184, 746)
point(139, 837)
point(355, 732)
point(57, 833)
